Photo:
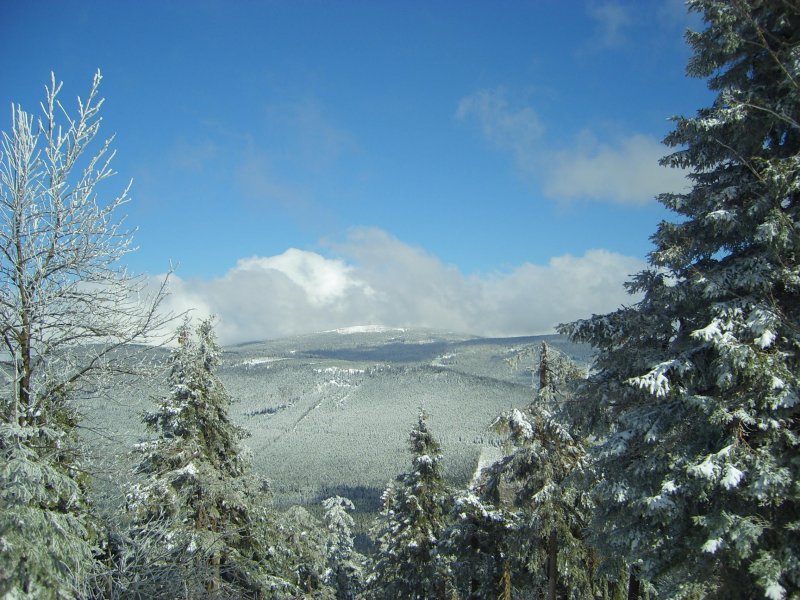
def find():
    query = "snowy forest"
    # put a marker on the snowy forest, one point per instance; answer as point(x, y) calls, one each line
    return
point(668, 469)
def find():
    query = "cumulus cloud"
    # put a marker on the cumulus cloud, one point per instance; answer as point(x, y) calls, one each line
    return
point(623, 170)
point(376, 279)
point(323, 280)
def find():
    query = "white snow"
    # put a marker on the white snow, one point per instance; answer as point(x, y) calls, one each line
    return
point(339, 370)
point(725, 216)
point(659, 502)
point(423, 459)
point(336, 383)
point(708, 333)
point(707, 468)
point(488, 456)
point(656, 381)
point(768, 231)
point(189, 470)
point(732, 477)
point(252, 362)
point(518, 422)
point(765, 339)
point(669, 487)
point(775, 591)
point(711, 546)
point(365, 329)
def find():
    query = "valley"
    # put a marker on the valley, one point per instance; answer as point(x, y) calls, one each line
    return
point(330, 413)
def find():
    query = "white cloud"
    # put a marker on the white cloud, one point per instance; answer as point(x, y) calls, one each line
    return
point(379, 280)
point(323, 280)
point(193, 156)
point(623, 170)
point(626, 171)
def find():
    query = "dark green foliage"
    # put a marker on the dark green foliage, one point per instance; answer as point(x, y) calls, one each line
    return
point(409, 562)
point(540, 486)
point(197, 494)
point(301, 542)
point(522, 527)
point(695, 387)
point(479, 543)
point(193, 421)
point(46, 532)
point(540, 483)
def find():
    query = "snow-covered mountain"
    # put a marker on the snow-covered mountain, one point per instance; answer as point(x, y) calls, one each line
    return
point(330, 412)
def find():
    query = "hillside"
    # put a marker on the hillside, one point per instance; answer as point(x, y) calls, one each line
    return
point(330, 412)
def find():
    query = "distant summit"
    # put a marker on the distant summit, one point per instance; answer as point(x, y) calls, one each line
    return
point(365, 329)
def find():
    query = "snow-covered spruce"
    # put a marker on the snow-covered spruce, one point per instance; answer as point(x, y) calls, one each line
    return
point(696, 385)
point(409, 562)
point(540, 490)
point(479, 544)
point(345, 565)
point(218, 535)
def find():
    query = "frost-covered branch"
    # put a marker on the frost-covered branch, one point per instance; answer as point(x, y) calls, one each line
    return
point(67, 304)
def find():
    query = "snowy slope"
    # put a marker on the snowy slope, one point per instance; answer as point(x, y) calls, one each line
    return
point(330, 412)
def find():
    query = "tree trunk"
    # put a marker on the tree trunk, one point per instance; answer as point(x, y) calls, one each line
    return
point(544, 368)
point(552, 565)
point(633, 586)
point(24, 335)
point(506, 591)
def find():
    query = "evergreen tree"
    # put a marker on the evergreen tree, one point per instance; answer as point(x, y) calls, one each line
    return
point(47, 539)
point(196, 489)
point(303, 546)
point(409, 563)
point(344, 571)
point(541, 483)
point(696, 385)
point(479, 542)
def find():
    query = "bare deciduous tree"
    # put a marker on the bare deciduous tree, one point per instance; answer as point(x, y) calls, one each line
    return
point(66, 302)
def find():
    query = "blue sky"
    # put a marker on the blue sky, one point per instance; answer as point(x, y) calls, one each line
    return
point(318, 160)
